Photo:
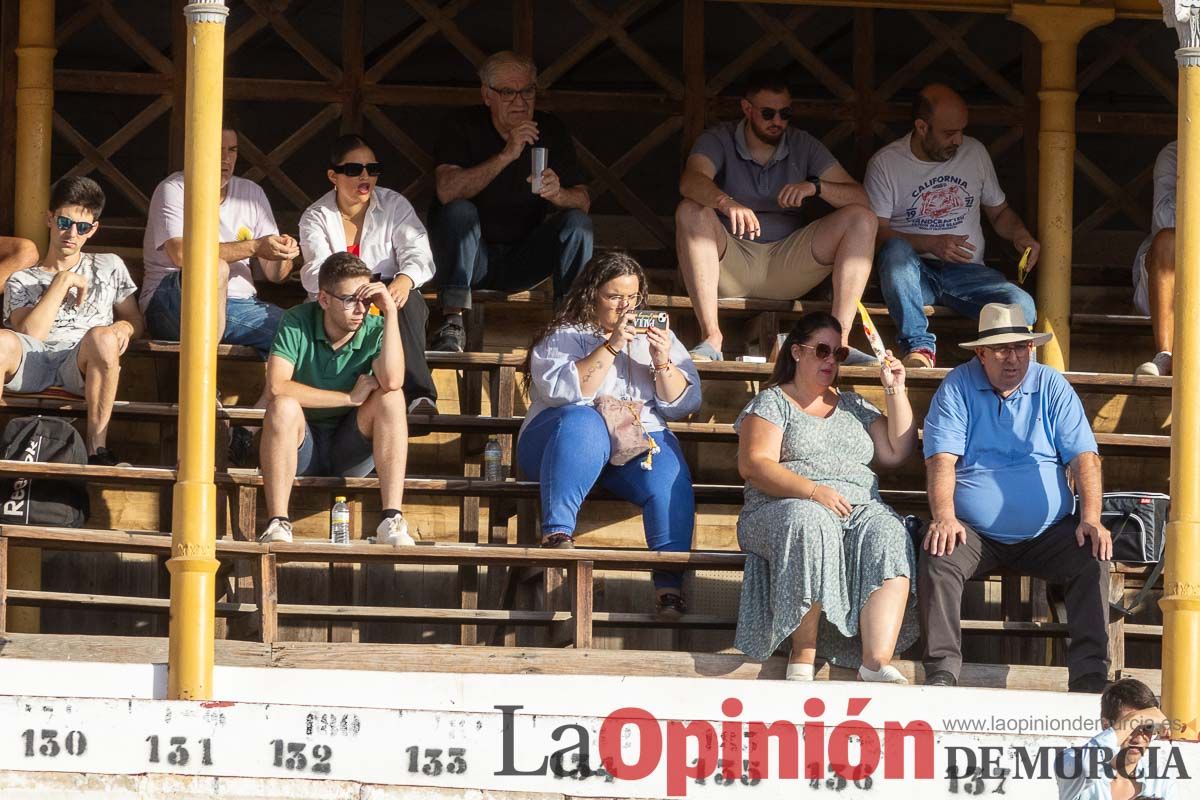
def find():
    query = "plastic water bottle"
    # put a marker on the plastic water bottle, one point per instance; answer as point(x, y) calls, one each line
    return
point(339, 522)
point(492, 469)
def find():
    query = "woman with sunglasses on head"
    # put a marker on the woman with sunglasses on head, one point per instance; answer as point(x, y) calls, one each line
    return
point(381, 227)
point(828, 564)
point(586, 360)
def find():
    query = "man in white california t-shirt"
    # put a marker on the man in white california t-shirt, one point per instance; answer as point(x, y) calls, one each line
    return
point(927, 189)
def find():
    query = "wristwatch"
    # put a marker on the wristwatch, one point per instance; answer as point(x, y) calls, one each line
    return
point(816, 182)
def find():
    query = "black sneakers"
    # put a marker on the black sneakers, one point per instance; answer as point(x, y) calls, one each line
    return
point(241, 447)
point(103, 457)
point(451, 337)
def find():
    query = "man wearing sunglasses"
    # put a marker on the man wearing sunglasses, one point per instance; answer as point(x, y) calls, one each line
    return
point(928, 188)
point(336, 375)
point(1132, 751)
point(250, 245)
point(1001, 435)
point(72, 315)
point(740, 231)
point(490, 229)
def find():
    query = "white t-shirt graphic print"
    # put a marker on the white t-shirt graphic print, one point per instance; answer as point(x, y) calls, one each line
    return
point(934, 198)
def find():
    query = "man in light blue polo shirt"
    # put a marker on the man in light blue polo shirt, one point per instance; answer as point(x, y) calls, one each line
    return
point(1001, 433)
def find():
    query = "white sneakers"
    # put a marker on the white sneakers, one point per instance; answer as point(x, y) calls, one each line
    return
point(394, 531)
point(1160, 365)
point(280, 530)
point(799, 672)
point(885, 674)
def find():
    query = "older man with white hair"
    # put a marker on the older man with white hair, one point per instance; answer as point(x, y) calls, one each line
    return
point(1001, 434)
point(492, 225)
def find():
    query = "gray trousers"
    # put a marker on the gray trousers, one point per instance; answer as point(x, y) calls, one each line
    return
point(1054, 557)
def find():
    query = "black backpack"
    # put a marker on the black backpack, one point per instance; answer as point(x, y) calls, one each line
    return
point(57, 502)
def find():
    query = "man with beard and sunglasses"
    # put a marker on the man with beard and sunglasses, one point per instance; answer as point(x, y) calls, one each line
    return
point(250, 244)
point(739, 229)
point(927, 189)
point(489, 226)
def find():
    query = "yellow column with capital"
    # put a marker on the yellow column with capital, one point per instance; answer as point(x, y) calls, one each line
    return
point(193, 563)
point(35, 110)
point(1180, 602)
point(1059, 27)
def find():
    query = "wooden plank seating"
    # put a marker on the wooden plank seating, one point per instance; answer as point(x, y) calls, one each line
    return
point(581, 565)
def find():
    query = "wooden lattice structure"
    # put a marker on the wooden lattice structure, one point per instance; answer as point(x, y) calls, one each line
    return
point(636, 80)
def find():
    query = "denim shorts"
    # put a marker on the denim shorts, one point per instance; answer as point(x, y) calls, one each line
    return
point(337, 450)
point(248, 321)
point(41, 368)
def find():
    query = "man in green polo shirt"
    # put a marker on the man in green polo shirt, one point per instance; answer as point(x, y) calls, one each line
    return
point(334, 377)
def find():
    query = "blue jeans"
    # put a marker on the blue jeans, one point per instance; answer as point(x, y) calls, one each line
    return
point(248, 321)
point(558, 248)
point(567, 450)
point(910, 283)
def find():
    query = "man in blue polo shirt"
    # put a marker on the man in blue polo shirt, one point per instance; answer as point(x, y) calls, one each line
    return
point(1001, 433)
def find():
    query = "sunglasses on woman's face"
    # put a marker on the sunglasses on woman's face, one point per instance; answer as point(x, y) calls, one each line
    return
point(65, 223)
point(768, 114)
point(823, 351)
point(352, 169)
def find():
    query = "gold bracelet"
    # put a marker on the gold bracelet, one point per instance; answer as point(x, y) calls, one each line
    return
point(813, 493)
point(662, 367)
point(615, 352)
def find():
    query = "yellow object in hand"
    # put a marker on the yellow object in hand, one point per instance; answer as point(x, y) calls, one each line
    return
point(1023, 265)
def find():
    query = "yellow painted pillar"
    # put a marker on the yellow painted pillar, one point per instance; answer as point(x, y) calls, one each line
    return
point(1181, 588)
point(35, 107)
point(193, 563)
point(1059, 27)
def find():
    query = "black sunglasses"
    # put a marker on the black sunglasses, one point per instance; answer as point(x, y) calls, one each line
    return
point(823, 351)
point(352, 169)
point(65, 223)
point(785, 113)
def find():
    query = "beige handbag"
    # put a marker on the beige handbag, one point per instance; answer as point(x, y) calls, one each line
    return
point(627, 435)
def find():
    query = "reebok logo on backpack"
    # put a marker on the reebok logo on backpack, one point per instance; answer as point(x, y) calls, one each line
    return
point(36, 500)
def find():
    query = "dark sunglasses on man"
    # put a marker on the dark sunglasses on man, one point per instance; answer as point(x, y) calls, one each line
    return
point(352, 169)
point(65, 223)
point(823, 351)
point(768, 114)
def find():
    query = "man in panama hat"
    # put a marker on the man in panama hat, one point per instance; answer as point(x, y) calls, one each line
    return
point(1001, 433)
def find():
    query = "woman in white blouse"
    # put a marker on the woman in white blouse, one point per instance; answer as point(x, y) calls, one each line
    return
point(379, 226)
point(589, 351)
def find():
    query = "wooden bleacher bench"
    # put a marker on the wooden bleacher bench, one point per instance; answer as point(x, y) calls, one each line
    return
point(579, 563)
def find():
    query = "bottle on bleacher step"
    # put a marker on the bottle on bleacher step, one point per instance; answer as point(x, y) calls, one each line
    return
point(493, 470)
point(339, 522)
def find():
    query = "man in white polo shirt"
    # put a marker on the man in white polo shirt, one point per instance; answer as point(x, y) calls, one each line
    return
point(927, 189)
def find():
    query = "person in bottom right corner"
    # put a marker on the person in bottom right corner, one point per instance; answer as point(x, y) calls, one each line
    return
point(1134, 727)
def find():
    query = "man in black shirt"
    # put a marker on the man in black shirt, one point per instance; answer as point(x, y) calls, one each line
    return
point(488, 227)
